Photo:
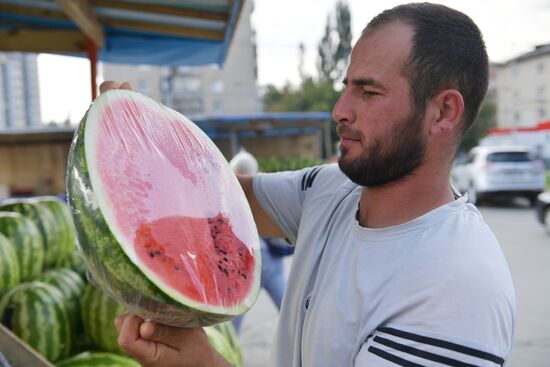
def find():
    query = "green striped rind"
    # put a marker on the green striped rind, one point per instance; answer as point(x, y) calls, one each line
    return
point(98, 359)
point(44, 220)
point(72, 287)
point(64, 223)
point(98, 316)
point(10, 274)
point(227, 329)
point(26, 238)
point(111, 269)
point(222, 345)
point(36, 313)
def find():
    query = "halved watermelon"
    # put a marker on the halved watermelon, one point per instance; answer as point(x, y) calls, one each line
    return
point(162, 222)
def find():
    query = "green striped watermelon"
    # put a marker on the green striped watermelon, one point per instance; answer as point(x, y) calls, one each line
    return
point(223, 346)
point(98, 359)
point(98, 316)
point(36, 313)
point(227, 329)
point(26, 238)
point(72, 287)
point(44, 220)
point(64, 223)
point(162, 221)
point(10, 274)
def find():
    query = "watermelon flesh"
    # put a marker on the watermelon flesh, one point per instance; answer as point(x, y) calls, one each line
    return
point(161, 220)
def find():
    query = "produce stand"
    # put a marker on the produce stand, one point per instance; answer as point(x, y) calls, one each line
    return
point(18, 353)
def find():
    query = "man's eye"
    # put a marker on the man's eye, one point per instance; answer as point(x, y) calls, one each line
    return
point(369, 93)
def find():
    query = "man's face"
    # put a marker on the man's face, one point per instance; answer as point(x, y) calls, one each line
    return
point(381, 134)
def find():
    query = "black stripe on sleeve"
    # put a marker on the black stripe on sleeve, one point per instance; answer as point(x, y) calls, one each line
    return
point(421, 353)
point(308, 177)
point(443, 344)
point(395, 359)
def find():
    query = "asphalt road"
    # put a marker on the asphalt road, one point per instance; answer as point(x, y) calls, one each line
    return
point(527, 249)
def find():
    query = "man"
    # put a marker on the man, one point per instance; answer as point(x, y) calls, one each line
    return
point(391, 268)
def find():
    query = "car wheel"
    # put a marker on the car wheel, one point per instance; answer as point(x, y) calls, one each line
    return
point(546, 217)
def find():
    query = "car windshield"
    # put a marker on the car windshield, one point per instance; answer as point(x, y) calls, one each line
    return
point(508, 157)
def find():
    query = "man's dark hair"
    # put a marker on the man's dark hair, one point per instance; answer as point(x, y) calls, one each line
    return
point(448, 52)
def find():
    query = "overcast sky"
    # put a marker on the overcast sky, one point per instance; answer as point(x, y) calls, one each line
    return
point(510, 28)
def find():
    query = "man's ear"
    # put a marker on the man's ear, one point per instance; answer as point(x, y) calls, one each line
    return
point(449, 108)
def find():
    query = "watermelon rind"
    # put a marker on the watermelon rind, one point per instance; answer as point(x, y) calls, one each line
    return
point(103, 359)
point(64, 224)
point(28, 243)
point(114, 267)
point(37, 314)
point(71, 286)
point(46, 223)
point(10, 274)
point(98, 313)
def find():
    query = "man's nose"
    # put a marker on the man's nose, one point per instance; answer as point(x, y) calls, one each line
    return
point(343, 109)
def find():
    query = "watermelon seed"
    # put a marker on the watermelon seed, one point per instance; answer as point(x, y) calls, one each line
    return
point(225, 259)
point(243, 275)
point(220, 267)
point(176, 268)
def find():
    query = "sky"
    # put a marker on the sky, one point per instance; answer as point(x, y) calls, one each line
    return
point(510, 28)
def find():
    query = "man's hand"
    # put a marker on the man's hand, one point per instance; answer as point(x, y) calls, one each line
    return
point(158, 345)
point(109, 84)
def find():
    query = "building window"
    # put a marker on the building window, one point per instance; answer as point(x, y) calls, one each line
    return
point(542, 113)
point(217, 106)
point(515, 96)
point(540, 67)
point(540, 94)
point(516, 118)
point(217, 86)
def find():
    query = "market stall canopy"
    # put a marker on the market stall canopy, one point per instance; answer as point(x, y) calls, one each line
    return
point(163, 32)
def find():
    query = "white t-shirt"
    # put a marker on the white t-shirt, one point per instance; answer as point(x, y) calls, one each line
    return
point(435, 291)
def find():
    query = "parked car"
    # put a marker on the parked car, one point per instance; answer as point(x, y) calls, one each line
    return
point(542, 208)
point(489, 171)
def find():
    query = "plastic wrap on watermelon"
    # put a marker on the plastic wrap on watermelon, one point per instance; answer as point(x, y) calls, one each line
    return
point(162, 222)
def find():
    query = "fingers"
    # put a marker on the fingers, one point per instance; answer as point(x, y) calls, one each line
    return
point(129, 338)
point(167, 335)
point(110, 84)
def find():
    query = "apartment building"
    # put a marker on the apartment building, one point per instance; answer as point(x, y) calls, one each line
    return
point(19, 92)
point(522, 87)
point(206, 90)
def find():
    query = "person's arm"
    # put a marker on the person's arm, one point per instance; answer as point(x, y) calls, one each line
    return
point(266, 225)
point(158, 345)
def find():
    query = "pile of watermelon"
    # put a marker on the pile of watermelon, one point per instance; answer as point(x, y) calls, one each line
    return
point(46, 298)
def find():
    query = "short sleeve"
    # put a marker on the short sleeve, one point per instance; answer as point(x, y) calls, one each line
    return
point(392, 347)
point(281, 195)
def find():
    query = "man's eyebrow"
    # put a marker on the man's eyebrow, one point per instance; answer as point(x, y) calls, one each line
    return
point(364, 81)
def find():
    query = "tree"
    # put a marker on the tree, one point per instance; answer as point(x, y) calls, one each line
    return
point(335, 46)
point(479, 129)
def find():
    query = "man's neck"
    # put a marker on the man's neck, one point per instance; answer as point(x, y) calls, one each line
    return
point(405, 200)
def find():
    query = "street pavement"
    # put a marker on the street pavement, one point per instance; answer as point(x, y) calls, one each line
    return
point(527, 250)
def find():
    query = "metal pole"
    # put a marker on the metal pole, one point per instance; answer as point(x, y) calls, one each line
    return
point(91, 49)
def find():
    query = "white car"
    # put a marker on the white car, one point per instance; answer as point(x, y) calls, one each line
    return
point(490, 171)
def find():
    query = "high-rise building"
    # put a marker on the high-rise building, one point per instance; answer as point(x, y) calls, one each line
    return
point(523, 89)
point(19, 92)
point(206, 90)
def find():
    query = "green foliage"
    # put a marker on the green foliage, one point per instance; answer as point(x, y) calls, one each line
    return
point(485, 120)
point(276, 164)
point(335, 46)
point(311, 95)
point(547, 180)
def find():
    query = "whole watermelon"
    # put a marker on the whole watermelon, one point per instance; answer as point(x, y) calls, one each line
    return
point(64, 226)
point(45, 221)
point(9, 265)
point(161, 220)
point(98, 312)
point(37, 314)
point(26, 238)
point(71, 286)
point(90, 359)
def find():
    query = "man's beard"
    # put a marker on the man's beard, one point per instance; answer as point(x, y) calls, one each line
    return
point(390, 161)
